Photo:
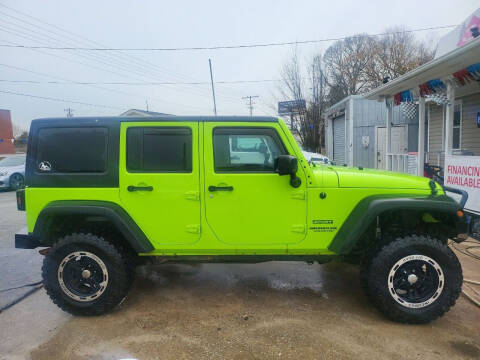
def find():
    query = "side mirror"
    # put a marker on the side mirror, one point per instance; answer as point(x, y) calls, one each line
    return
point(288, 165)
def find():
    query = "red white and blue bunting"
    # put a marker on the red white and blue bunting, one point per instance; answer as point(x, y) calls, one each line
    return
point(435, 89)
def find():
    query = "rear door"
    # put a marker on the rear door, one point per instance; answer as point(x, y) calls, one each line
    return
point(159, 179)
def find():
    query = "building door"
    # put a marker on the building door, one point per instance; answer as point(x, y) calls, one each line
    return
point(339, 140)
point(247, 203)
point(399, 143)
point(381, 148)
point(159, 179)
point(399, 140)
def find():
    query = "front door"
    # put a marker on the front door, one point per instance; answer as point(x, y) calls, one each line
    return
point(159, 179)
point(247, 203)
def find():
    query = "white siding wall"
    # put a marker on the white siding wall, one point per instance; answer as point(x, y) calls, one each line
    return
point(470, 135)
point(435, 133)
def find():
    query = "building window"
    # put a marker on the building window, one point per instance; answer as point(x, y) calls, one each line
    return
point(159, 149)
point(457, 127)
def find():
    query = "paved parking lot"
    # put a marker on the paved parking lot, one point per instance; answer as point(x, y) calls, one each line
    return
point(17, 267)
point(215, 311)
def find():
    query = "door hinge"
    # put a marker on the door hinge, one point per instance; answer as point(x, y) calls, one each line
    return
point(298, 229)
point(300, 195)
point(193, 228)
point(192, 195)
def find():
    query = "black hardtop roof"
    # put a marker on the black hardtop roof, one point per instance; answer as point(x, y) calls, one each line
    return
point(166, 118)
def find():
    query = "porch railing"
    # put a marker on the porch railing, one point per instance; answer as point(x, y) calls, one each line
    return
point(399, 162)
point(404, 163)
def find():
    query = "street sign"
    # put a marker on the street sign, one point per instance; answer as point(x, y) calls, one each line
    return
point(291, 107)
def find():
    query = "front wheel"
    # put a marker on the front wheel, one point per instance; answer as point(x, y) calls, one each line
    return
point(86, 275)
point(414, 279)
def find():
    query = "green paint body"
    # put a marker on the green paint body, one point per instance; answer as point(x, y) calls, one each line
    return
point(263, 215)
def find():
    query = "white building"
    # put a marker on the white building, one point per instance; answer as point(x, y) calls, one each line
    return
point(446, 92)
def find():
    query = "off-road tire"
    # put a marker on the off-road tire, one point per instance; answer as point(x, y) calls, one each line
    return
point(118, 265)
point(379, 263)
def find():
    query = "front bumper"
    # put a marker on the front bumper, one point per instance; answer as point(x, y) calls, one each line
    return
point(25, 240)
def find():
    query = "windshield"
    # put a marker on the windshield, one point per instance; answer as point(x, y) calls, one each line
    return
point(12, 161)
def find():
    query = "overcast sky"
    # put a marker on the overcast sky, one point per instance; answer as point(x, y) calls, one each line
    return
point(122, 23)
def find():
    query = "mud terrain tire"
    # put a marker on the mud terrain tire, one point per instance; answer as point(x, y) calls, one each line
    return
point(413, 279)
point(84, 274)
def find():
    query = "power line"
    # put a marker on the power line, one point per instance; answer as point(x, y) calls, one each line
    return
point(112, 60)
point(61, 100)
point(116, 60)
point(221, 47)
point(130, 58)
point(95, 86)
point(139, 83)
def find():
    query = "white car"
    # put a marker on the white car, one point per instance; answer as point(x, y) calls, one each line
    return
point(315, 158)
point(12, 172)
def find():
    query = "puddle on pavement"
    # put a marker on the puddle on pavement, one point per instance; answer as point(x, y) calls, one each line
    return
point(281, 276)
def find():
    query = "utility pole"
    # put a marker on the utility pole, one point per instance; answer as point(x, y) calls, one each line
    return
point(69, 112)
point(146, 102)
point(250, 103)
point(213, 88)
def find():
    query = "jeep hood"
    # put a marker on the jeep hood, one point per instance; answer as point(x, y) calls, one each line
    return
point(369, 178)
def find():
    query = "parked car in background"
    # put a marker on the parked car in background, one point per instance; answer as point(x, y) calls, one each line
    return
point(315, 158)
point(12, 172)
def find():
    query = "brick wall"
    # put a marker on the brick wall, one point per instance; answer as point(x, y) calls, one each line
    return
point(6, 133)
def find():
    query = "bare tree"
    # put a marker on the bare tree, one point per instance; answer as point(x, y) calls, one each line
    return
point(395, 54)
point(316, 105)
point(17, 130)
point(348, 67)
point(360, 63)
point(346, 62)
point(306, 123)
point(292, 88)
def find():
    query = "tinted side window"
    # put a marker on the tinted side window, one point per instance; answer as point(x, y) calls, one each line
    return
point(155, 149)
point(244, 149)
point(72, 150)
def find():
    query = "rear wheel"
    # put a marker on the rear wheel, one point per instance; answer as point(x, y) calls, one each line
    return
point(86, 275)
point(16, 182)
point(413, 279)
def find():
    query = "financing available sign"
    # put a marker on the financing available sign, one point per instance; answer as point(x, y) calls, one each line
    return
point(463, 172)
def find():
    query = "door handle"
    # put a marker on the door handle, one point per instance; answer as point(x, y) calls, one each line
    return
point(220, 188)
point(139, 188)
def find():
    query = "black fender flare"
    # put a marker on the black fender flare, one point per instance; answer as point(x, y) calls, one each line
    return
point(372, 206)
point(109, 210)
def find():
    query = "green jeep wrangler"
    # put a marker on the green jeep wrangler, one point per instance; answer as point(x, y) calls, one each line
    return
point(103, 193)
